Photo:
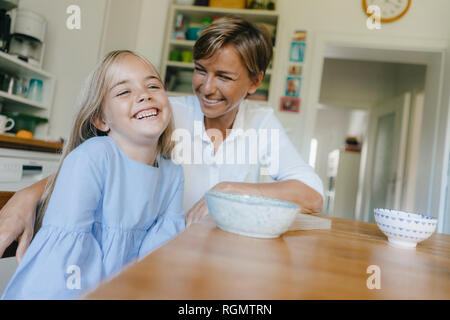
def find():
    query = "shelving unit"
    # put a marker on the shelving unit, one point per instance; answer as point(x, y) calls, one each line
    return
point(11, 102)
point(170, 70)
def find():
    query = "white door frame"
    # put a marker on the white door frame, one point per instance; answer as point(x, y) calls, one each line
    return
point(401, 132)
point(421, 48)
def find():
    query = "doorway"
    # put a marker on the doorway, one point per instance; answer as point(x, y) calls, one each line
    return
point(366, 135)
point(430, 185)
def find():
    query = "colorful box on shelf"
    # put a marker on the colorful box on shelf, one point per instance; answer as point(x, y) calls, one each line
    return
point(238, 4)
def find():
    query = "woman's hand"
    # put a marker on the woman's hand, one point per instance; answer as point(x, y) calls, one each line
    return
point(200, 210)
point(18, 216)
point(17, 222)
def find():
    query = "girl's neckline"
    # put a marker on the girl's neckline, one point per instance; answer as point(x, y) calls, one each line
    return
point(157, 160)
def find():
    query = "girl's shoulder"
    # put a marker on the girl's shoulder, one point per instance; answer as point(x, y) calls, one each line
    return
point(97, 144)
point(169, 167)
point(96, 149)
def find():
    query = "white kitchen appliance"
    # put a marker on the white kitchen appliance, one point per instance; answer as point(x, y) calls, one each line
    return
point(27, 40)
point(20, 168)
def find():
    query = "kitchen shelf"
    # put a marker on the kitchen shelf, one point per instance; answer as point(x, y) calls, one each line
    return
point(182, 43)
point(13, 66)
point(17, 100)
point(266, 16)
point(187, 65)
point(170, 69)
point(179, 64)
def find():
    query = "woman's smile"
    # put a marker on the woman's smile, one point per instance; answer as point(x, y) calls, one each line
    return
point(211, 102)
point(221, 82)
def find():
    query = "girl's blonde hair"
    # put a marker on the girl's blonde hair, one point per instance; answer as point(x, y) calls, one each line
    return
point(90, 104)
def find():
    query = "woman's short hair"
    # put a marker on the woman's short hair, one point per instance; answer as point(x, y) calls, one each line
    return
point(252, 42)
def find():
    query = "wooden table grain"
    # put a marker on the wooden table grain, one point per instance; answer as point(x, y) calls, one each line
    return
point(204, 262)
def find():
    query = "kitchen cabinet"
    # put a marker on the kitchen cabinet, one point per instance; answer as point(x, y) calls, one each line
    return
point(10, 102)
point(177, 66)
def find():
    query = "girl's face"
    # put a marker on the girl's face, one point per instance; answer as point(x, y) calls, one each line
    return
point(135, 108)
point(222, 82)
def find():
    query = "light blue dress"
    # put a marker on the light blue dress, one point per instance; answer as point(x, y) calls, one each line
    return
point(106, 211)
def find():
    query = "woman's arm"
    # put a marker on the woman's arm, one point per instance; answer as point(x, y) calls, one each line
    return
point(290, 190)
point(17, 218)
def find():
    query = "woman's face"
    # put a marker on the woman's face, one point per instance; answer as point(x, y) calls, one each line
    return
point(222, 82)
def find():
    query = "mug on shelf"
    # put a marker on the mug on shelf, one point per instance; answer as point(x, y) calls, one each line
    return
point(35, 90)
point(175, 55)
point(4, 123)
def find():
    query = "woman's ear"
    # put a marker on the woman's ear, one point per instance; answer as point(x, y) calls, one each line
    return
point(100, 124)
point(256, 81)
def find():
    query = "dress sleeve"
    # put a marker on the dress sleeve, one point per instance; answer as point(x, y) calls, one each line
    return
point(64, 258)
point(168, 224)
point(59, 264)
point(283, 160)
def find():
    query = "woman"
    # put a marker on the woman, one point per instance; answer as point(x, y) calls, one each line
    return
point(231, 57)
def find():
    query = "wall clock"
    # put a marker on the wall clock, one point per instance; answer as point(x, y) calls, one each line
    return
point(391, 10)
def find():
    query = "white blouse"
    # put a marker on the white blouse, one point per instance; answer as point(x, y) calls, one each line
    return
point(256, 150)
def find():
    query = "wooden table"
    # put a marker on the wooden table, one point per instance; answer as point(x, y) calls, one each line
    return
point(204, 262)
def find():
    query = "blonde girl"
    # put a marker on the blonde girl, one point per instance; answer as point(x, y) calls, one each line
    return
point(116, 196)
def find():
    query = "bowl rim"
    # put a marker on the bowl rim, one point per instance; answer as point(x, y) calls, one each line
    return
point(405, 214)
point(237, 197)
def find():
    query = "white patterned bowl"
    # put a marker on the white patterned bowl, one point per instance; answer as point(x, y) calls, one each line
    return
point(250, 215)
point(404, 229)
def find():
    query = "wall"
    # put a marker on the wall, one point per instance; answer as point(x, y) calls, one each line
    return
point(69, 54)
point(122, 25)
point(356, 84)
point(151, 30)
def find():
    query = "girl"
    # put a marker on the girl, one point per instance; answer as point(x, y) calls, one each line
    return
point(116, 196)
